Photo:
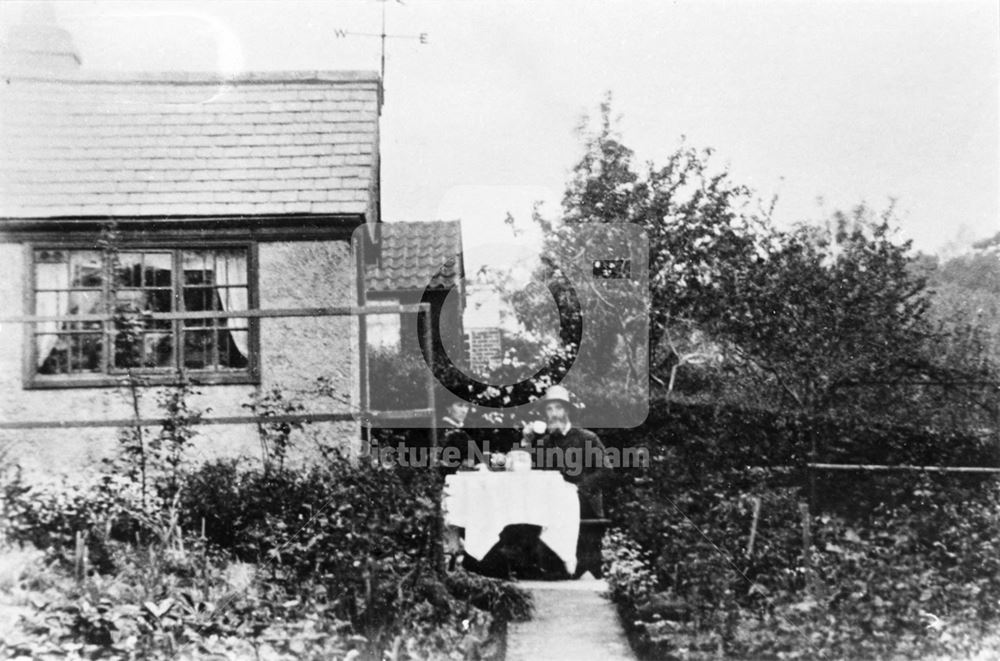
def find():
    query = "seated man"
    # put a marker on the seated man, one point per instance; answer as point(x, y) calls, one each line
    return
point(578, 454)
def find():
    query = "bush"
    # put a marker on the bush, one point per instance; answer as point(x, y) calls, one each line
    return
point(52, 517)
point(361, 538)
point(917, 574)
point(504, 600)
point(717, 437)
point(342, 558)
point(338, 558)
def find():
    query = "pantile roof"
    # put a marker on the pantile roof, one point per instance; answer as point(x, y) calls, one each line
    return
point(189, 144)
point(416, 256)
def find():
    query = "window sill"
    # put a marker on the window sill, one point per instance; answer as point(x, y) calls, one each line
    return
point(147, 379)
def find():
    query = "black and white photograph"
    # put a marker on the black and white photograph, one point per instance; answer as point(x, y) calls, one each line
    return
point(500, 330)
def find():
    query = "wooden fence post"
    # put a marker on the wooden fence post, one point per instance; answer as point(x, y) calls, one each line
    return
point(753, 526)
point(806, 542)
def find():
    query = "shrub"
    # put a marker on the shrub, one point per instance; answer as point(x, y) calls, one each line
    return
point(51, 517)
point(341, 559)
point(360, 538)
point(918, 574)
point(502, 599)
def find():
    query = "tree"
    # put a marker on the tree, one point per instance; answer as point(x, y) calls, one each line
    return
point(967, 297)
point(820, 320)
point(700, 237)
point(965, 306)
point(831, 310)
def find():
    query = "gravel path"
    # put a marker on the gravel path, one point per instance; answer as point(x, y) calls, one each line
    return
point(573, 620)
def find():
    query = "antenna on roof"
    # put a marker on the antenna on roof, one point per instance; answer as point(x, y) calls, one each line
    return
point(383, 35)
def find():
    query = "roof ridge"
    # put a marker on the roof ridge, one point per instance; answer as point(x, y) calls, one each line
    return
point(193, 77)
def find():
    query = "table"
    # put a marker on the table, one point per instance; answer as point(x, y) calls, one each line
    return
point(485, 502)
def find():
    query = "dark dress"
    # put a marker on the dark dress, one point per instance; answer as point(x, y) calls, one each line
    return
point(454, 436)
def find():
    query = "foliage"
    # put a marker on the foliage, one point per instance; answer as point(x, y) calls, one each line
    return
point(51, 516)
point(186, 606)
point(361, 538)
point(167, 449)
point(398, 379)
point(701, 239)
point(341, 560)
point(832, 319)
point(492, 595)
point(154, 462)
point(831, 309)
point(275, 436)
point(341, 557)
point(966, 307)
point(904, 567)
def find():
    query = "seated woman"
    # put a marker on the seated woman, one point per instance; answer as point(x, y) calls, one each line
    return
point(457, 451)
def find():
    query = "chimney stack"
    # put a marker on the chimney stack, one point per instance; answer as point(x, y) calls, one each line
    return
point(37, 44)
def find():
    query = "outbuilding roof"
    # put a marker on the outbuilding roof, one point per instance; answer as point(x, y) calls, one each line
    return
point(416, 256)
point(142, 145)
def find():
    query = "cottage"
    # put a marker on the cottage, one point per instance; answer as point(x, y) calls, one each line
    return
point(416, 262)
point(413, 263)
point(178, 201)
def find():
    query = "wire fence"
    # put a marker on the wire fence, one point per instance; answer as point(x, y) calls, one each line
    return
point(362, 414)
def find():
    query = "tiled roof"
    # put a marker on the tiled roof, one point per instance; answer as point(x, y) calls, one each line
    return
point(188, 144)
point(416, 256)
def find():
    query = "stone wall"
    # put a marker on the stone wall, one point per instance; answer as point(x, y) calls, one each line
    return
point(294, 352)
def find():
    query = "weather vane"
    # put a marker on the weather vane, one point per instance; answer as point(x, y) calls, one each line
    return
point(342, 34)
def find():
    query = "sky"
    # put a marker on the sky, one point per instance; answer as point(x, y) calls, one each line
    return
point(824, 105)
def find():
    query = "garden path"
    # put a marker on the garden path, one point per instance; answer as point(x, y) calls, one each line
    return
point(572, 620)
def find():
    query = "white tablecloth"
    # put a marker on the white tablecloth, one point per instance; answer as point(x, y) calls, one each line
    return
point(485, 502)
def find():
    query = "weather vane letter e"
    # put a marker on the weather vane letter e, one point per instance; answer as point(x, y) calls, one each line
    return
point(341, 33)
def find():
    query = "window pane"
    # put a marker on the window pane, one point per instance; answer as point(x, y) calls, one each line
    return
point(69, 353)
point(128, 349)
point(51, 357)
point(232, 266)
point(235, 298)
point(197, 299)
point(85, 352)
point(129, 300)
point(144, 349)
point(233, 348)
point(198, 267)
point(157, 269)
point(158, 349)
point(84, 302)
point(51, 303)
point(48, 256)
point(85, 268)
point(198, 348)
point(384, 330)
point(222, 267)
point(128, 271)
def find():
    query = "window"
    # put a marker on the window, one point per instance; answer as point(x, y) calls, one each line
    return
point(76, 285)
point(384, 329)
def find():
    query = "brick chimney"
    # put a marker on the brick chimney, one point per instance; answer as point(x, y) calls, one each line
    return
point(37, 44)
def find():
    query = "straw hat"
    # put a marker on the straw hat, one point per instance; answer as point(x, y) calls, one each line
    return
point(557, 393)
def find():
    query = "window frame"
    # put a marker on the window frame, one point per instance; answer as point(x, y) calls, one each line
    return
point(110, 377)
